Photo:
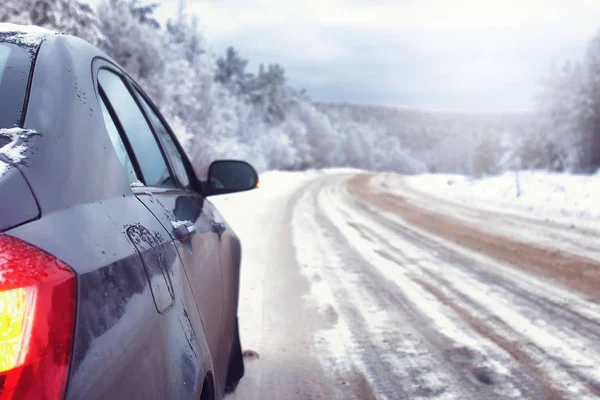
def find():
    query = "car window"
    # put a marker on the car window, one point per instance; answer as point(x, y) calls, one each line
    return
point(145, 148)
point(4, 53)
point(118, 144)
point(15, 65)
point(168, 143)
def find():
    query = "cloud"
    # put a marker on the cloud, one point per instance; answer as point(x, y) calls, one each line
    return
point(465, 53)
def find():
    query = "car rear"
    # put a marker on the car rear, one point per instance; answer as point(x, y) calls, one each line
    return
point(37, 314)
point(37, 291)
point(16, 63)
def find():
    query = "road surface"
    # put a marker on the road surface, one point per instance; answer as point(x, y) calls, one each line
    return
point(357, 286)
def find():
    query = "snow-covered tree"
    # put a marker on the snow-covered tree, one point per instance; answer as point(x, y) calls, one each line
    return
point(219, 109)
point(66, 16)
point(231, 70)
point(569, 112)
point(130, 39)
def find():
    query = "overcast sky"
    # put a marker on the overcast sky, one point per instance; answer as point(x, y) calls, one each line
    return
point(438, 54)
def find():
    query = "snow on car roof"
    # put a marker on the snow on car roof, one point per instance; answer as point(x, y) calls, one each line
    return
point(29, 35)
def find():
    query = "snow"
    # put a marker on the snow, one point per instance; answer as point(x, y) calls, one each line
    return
point(30, 35)
point(136, 183)
point(246, 213)
point(542, 194)
point(14, 151)
point(177, 224)
point(23, 29)
point(568, 347)
point(512, 309)
point(343, 170)
point(365, 271)
point(371, 250)
point(274, 185)
point(339, 346)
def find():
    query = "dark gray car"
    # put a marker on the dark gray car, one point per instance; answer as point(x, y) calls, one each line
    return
point(118, 278)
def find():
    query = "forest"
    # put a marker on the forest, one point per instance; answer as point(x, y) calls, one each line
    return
point(218, 108)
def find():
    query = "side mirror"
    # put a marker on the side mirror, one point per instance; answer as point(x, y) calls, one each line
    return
point(230, 176)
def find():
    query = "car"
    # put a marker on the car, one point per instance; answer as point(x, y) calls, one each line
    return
point(118, 277)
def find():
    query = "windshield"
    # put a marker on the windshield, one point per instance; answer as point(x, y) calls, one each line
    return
point(15, 63)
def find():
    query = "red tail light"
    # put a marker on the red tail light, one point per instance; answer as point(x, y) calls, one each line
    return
point(37, 318)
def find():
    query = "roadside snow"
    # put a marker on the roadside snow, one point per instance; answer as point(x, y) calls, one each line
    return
point(15, 149)
point(335, 171)
point(414, 315)
point(542, 194)
point(274, 185)
point(251, 215)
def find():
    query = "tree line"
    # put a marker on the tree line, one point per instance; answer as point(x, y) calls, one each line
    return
point(218, 108)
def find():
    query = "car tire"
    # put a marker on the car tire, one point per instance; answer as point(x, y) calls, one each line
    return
point(235, 369)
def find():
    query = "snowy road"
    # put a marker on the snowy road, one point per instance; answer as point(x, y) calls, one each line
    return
point(360, 287)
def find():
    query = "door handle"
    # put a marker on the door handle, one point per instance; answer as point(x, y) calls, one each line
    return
point(219, 228)
point(184, 231)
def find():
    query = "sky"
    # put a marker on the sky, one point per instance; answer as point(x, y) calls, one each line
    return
point(474, 55)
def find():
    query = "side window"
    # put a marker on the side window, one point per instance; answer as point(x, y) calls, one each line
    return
point(145, 148)
point(168, 143)
point(117, 143)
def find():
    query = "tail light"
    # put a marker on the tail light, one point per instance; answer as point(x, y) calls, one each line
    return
point(37, 317)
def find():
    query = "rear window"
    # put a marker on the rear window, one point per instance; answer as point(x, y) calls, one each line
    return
point(15, 64)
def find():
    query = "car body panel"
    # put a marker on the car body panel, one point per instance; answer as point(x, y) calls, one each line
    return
point(118, 327)
point(200, 256)
point(153, 252)
point(230, 254)
point(72, 142)
point(18, 203)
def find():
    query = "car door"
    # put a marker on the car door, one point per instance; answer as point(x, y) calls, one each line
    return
point(166, 189)
point(204, 245)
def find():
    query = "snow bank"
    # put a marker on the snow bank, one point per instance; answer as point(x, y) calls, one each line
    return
point(343, 170)
point(541, 194)
point(254, 215)
point(245, 209)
